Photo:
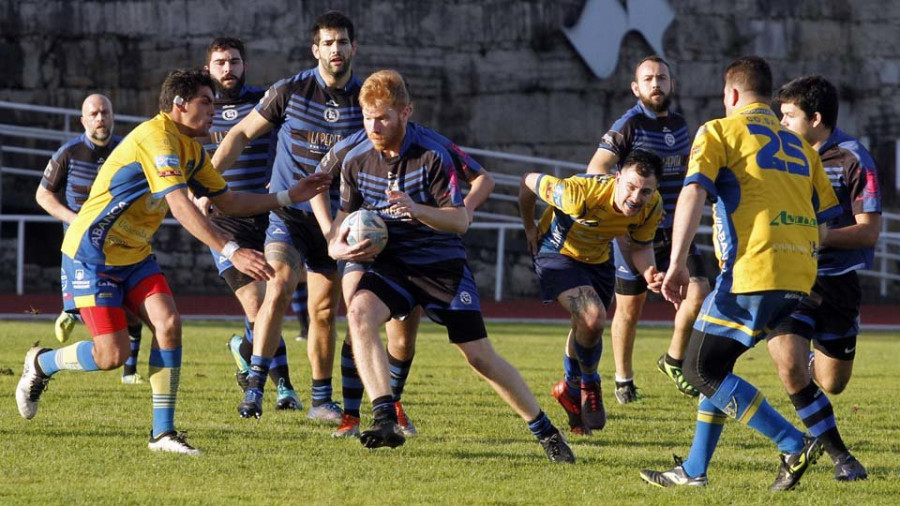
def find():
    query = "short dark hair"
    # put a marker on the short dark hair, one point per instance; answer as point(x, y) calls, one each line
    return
point(751, 74)
point(654, 58)
point(223, 43)
point(184, 83)
point(334, 20)
point(812, 94)
point(644, 162)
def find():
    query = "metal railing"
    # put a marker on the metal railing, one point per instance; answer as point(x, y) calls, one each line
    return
point(887, 250)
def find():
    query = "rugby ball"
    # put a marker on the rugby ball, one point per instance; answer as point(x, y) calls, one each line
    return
point(365, 224)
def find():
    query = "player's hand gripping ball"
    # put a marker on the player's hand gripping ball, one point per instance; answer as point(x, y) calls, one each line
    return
point(365, 224)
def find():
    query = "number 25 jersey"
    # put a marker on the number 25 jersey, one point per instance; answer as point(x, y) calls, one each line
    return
point(771, 193)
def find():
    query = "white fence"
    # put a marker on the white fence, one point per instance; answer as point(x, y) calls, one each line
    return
point(887, 252)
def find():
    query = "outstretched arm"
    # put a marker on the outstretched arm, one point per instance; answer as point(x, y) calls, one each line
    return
point(250, 262)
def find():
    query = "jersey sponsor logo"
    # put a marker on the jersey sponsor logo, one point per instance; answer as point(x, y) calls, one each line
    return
point(278, 231)
point(670, 140)
point(324, 139)
point(170, 160)
point(100, 160)
point(99, 229)
point(105, 284)
point(331, 115)
point(169, 173)
point(598, 34)
point(229, 114)
point(465, 298)
point(331, 103)
point(557, 198)
point(783, 218)
point(49, 169)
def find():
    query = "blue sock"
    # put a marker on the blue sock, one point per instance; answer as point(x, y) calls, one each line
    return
point(351, 384)
point(541, 426)
point(165, 375)
point(321, 391)
point(743, 402)
point(817, 415)
point(134, 335)
point(710, 422)
point(75, 357)
point(259, 370)
point(384, 407)
point(573, 376)
point(248, 330)
point(399, 374)
point(588, 358)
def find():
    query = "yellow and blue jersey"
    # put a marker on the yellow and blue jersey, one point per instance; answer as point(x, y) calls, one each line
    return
point(582, 221)
point(127, 201)
point(771, 193)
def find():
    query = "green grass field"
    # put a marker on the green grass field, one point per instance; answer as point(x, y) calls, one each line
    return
point(88, 443)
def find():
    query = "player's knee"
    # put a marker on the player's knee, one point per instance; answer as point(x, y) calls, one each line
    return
point(833, 386)
point(696, 375)
point(590, 326)
point(113, 355)
point(168, 327)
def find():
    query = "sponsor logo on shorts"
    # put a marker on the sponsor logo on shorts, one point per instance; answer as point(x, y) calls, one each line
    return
point(465, 298)
point(849, 350)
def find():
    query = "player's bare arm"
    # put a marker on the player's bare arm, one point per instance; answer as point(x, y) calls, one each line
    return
point(250, 204)
point(527, 205)
point(53, 204)
point(864, 234)
point(686, 221)
point(237, 139)
point(250, 262)
point(442, 219)
point(603, 162)
point(322, 211)
point(480, 190)
point(644, 260)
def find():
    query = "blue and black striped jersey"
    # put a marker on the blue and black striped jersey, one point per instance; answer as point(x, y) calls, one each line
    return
point(311, 118)
point(253, 168)
point(666, 136)
point(853, 176)
point(424, 170)
point(74, 167)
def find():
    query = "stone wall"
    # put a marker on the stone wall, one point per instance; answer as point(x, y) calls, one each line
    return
point(494, 74)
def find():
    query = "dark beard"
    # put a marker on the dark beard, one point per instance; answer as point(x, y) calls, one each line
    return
point(226, 94)
point(663, 107)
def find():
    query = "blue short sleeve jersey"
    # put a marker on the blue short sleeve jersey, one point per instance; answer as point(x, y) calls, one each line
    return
point(424, 170)
point(853, 176)
point(311, 118)
point(74, 167)
point(666, 136)
point(253, 168)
